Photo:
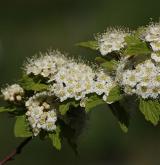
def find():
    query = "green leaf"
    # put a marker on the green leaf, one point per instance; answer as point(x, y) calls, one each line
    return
point(123, 127)
point(136, 46)
point(133, 61)
point(55, 138)
point(89, 44)
point(151, 110)
point(121, 114)
point(65, 106)
point(28, 83)
point(138, 33)
point(4, 109)
point(100, 60)
point(92, 102)
point(114, 95)
point(21, 128)
point(109, 65)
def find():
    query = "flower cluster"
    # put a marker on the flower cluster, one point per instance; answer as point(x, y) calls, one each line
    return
point(71, 79)
point(111, 40)
point(152, 35)
point(13, 93)
point(46, 65)
point(64, 80)
point(77, 83)
point(40, 113)
point(53, 84)
point(67, 79)
point(144, 80)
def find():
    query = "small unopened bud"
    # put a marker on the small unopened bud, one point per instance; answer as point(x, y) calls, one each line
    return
point(19, 98)
point(11, 98)
point(46, 105)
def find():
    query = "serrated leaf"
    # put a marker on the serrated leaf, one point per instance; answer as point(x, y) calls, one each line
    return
point(121, 114)
point(138, 33)
point(55, 138)
point(4, 109)
point(29, 84)
point(92, 102)
point(151, 110)
point(21, 127)
point(89, 44)
point(114, 95)
point(72, 125)
point(65, 106)
point(135, 46)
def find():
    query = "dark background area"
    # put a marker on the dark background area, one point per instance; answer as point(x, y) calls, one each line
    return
point(27, 27)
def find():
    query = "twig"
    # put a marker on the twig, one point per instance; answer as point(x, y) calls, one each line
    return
point(16, 151)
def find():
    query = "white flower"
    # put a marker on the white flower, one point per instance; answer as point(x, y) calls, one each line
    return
point(155, 46)
point(129, 78)
point(152, 35)
point(41, 113)
point(120, 68)
point(111, 40)
point(103, 84)
point(156, 56)
point(13, 93)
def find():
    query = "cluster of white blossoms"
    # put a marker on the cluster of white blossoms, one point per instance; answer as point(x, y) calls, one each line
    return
point(144, 80)
point(40, 113)
point(46, 65)
point(77, 80)
point(111, 40)
point(13, 93)
point(152, 35)
point(70, 79)
point(73, 80)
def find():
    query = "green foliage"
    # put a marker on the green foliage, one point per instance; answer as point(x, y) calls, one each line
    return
point(21, 128)
point(136, 46)
point(100, 60)
point(65, 106)
point(29, 83)
point(151, 110)
point(55, 138)
point(92, 102)
point(4, 109)
point(89, 44)
point(109, 66)
point(121, 114)
point(70, 135)
point(138, 33)
point(72, 126)
point(114, 95)
point(135, 60)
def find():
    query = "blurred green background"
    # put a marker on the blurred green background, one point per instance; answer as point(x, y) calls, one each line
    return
point(27, 27)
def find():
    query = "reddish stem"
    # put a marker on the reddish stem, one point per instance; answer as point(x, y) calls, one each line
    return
point(16, 151)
